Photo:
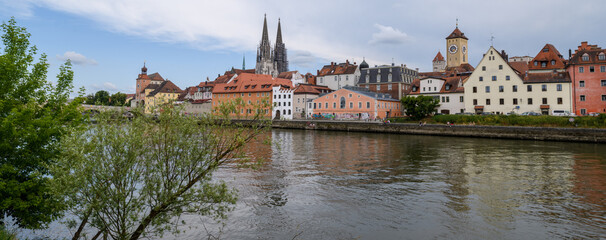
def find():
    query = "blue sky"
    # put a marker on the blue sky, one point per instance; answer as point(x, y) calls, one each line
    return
point(187, 41)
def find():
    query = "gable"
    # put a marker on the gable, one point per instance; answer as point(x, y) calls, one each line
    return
point(490, 66)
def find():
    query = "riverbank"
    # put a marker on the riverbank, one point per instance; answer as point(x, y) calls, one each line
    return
point(590, 135)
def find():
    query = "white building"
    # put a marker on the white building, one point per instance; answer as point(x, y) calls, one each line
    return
point(499, 87)
point(294, 76)
point(282, 103)
point(337, 76)
point(449, 92)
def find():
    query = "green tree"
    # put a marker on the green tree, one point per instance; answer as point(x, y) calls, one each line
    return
point(102, 98)
point(117, 99)
point(34, 115)
point(90, 99)
point(419, 107)
point(132, 179)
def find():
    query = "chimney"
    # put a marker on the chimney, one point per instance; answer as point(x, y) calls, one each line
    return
point(347, 61)
point(318, 73)
point(417, 69)
point(569, 54)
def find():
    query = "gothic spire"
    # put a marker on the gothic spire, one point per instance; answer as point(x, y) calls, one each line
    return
point(265, 38)
point(243, 62)
point(279, 35)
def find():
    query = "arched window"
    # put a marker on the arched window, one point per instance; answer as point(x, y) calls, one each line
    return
point(342, 102)
point(585, 57)
point(602, 57)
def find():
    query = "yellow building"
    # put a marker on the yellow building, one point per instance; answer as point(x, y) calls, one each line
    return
point(456, 46)
point(160, 92)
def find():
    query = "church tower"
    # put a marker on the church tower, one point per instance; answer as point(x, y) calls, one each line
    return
point(439, 64)
point(265, 59)
point(456, 48)
point(280, 58)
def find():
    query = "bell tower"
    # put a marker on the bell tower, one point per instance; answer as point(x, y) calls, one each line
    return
point(456, 48)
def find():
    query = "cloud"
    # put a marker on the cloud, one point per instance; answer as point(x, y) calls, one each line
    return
point(110, 86)
point(21, 8)
point(388, 35)
point(303, 59)
point(107, 86)
point(76, 58)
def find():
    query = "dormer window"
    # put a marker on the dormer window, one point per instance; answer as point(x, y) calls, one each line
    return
point(602, 56)
point(447, 87)
point(545, 49)
point(536, 63)
point(552, 62)
point(543, 64)
point(585, 57)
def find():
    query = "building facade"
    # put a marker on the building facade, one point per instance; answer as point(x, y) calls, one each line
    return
point(355, 103)
point(303, 94)
point(497, 86)
point(439, 64)
point(253, 91)
point(391, 79)
point(448, 91)
point(282, 102)
point(587, 69)
point(158, 93)
point(294, 76)
point(456, 46)
point(336, 76)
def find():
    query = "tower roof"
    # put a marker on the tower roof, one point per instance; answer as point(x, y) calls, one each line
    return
point(457, 34)
point(438, 57)
point(279, 35)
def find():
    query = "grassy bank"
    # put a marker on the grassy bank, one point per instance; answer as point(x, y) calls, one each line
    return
point(514, 120)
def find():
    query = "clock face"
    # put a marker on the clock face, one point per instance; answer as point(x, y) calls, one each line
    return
point(464, 49)
point(452, 48)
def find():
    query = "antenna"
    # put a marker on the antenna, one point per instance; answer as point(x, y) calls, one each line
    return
point(491, 40)
point(457, 22)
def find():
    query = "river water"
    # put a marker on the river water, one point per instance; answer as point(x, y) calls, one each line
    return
point(339, 185)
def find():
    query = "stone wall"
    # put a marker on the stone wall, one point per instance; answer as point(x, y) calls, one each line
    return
point(525, 133)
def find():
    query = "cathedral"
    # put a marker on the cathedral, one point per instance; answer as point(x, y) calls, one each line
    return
point(271, 62)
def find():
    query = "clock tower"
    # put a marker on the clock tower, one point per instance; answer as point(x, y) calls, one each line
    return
point(456, 48)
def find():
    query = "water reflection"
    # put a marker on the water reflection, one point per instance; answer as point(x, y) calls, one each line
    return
point(340, 185)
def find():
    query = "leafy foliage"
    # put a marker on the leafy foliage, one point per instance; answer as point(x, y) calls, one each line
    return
point(517, 120)
point(131, 179)
point(34, 115)
point(117, 99)
point(419, 107)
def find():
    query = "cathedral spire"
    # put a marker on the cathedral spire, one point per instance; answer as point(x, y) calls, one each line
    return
point(243, 62)
point(279, 35)
point(265, 38)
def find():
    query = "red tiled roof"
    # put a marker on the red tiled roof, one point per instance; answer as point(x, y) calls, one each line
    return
point(311, 89)
point(165, 87)
point(438, 57)
point(457, 34)
point(248, 82)
point(592, 51)
point(288, 75)
point(337, 69)
point(548, 55)
point(546, 77)
point(310, 78)
point(520, 67)
point(155, 76)
point(454, 84)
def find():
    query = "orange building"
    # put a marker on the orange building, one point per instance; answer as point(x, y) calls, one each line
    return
point(587, 69)
point(252, 89)
point(356, 103)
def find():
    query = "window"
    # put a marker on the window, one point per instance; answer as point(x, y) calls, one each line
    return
point(447, 99)
point(481, 79)
point(544, 87)
point(559, 87)
point(487, 89)
point(545, 49)
point(500, 67)
point(501, 88)
point(581, 69)
point(529, 88)
point(543, 64)
point(591, 69)
point(334, 105)
point(585, 57)
point(552, 62)
point(378, 87)
point(536, 63)
point(461, 99)
point(529, 101)
point(494, 78)
point(483, 68)
point(475, 89)
point(326, 105)
point(443, 99)
point(515, 88)
point(603, 97)
point(602, 68)
point(388, 86)
point(515, 101)
point(581, 83)
point(582, 98)
point(583, 111)
point(360, 105)
point(560, 100)
point(507, 78)
point(487, 101)
point(368, 105)
point(501, 101)
point(475, 102)
point(544, 100)
point(350, 104)
point(602, 57)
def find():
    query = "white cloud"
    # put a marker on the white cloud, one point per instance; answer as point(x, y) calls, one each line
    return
point(388, 35)
point(20, 8)
point(110, 87)
point(76, 58)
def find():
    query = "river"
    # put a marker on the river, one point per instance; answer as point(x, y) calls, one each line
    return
point(340, 185)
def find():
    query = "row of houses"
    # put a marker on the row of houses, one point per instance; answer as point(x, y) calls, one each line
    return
point(547, 84)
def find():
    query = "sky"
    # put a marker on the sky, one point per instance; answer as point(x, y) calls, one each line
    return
point(188, 41)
